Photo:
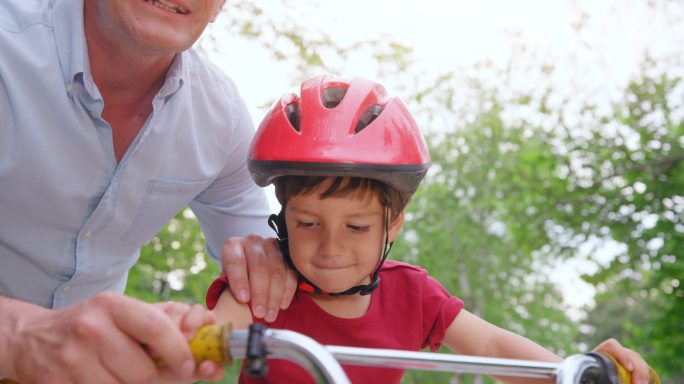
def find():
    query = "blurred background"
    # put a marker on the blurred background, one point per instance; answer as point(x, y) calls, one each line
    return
point(555, 203)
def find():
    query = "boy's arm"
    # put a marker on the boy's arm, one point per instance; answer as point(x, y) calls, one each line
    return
point(229, 310)
point(471, 335)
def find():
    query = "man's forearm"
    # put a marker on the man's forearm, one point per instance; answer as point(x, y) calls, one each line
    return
point(13, 315)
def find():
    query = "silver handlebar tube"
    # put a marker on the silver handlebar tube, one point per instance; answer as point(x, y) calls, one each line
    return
point(323, 362)
point(428, 361)
point(577, 369)
point(573, 370)
point(297, 348)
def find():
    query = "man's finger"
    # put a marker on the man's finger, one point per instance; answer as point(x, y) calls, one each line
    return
point(210, 371)
point(235, 268)
point(125, 359)
point(290, 288)
point(278, 272)
point(96, 373)
point(151, 327)
point(259, 274)
point(286, 277)
point(196, 317)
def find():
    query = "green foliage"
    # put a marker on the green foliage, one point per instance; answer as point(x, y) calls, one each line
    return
point(516, 185)
point(521, 179)
point(174, 264)
point(641, 184)
point(478, 224)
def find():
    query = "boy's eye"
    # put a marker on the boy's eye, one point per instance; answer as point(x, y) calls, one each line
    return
point(305, 224)
point(359, 228)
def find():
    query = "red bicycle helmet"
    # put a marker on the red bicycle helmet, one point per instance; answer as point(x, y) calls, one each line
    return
point(340, 128)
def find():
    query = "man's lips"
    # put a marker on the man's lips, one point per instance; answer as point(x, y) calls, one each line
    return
point(169, 6)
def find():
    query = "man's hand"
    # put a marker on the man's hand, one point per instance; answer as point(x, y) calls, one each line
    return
point(629, 359)
point(106, 339)
point(189, 319)
point(257, 272)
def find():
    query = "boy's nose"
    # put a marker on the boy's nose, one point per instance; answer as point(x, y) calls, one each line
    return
point(331, 243)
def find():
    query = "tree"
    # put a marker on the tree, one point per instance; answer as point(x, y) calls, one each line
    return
point(521, 178)
point(639, 184)
point(478, 225)
point(174, 264)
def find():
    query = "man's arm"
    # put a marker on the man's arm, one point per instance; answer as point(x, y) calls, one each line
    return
point(109, 338)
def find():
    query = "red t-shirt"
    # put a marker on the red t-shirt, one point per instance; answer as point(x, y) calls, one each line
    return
point(409, 311)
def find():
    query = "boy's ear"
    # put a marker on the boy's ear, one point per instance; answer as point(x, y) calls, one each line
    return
point(395, 226)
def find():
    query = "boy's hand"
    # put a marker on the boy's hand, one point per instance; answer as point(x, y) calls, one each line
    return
point(258, 274)
point(629, 359)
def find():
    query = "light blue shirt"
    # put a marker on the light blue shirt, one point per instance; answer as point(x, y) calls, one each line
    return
point(72, 220)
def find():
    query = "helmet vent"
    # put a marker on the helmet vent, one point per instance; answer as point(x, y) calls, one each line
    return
point(333, 96)
point(368, 116)
point(292, 113)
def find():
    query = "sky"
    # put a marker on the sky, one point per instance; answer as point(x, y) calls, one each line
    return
point(450, 34)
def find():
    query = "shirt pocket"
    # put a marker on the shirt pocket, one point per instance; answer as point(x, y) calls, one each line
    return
point(162, 200)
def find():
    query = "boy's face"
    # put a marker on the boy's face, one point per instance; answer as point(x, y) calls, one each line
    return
point(337, 242)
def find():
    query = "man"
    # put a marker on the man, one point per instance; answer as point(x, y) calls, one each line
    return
point(109, 124)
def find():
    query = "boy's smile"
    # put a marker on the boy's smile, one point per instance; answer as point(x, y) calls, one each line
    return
point(336, 242)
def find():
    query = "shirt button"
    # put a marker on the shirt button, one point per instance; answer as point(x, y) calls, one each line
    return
point(67, 288)
point(88, 235)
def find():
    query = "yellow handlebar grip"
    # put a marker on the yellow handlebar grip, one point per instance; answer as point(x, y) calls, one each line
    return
point(211, 343)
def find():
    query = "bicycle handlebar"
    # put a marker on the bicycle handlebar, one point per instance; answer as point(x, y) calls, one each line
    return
point(256, 345)
point(323, 362)
point(293, 346)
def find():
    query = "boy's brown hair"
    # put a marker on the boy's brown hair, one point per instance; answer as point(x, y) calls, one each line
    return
point(288, 186)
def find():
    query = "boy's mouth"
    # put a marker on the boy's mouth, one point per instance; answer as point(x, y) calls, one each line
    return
point(330, 266)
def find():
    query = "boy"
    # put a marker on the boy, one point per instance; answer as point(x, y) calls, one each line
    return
point(345, 159)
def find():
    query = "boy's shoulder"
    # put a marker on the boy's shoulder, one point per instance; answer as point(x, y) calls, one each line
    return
point(398, 276)
point(393, 266)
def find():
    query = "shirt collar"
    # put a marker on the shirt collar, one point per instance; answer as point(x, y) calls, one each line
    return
point(67, 20)
point(175, 75)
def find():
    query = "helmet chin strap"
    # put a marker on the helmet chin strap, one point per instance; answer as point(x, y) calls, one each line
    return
point(277, 223)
